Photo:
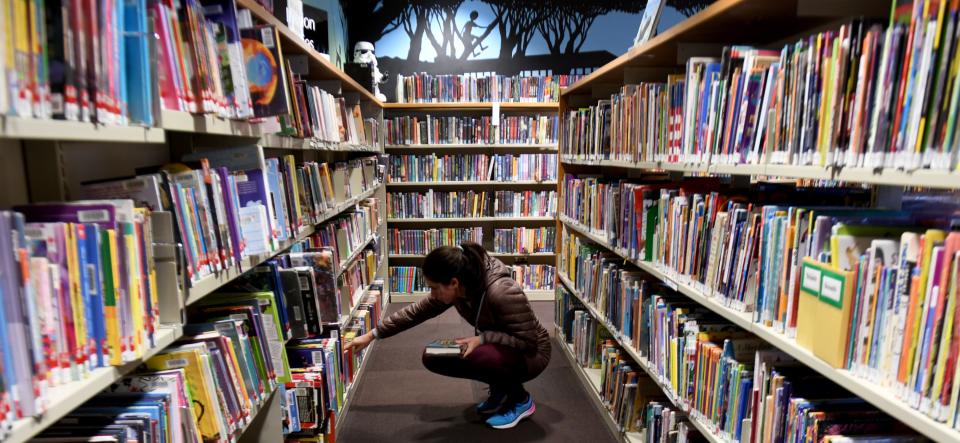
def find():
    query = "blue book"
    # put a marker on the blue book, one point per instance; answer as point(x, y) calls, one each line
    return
point(252, 186)
point(138, 81)
point(17, 352)
point(80, 240)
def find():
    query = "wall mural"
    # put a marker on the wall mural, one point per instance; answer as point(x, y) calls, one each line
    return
point(503, 36)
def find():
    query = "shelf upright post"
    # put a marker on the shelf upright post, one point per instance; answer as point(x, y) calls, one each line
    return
point(46, 172)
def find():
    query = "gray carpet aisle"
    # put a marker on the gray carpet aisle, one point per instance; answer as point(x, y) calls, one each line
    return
point(398, 400)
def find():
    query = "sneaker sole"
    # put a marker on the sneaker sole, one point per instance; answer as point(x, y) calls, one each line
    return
point(525, 414)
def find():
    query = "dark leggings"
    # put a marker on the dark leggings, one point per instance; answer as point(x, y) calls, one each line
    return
point(502, 367)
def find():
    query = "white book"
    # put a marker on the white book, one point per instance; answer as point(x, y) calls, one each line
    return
point(255, 229)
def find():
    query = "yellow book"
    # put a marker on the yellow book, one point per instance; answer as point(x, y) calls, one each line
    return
point(151, 271)
point(206, 407)
point(832, 311)
point(810, 279)
point(21, 53)
point(135, 301)
point(82, 354)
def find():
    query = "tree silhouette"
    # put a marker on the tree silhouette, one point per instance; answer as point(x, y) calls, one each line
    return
point(565, 29)
point(563, 24)
point(518, 25)
point(689, 7)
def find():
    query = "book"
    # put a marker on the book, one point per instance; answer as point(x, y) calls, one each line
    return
point(266, 74)
point(443, 347)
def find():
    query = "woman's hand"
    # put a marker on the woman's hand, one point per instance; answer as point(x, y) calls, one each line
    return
point(468, 344)
point(357, 344)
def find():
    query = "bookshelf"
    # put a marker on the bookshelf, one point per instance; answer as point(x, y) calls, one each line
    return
point(880, 176)
point(499, 220)
point(52, 158)
point(731, 22)
point(590, 380)
point(468, 184)
point(413, 297)
point(471, 106)
point(474, 113)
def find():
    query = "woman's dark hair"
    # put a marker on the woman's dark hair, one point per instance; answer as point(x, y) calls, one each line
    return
point(467, 262)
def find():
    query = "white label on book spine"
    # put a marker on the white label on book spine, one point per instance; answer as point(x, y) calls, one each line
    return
point(811, 279)
point(831, 288)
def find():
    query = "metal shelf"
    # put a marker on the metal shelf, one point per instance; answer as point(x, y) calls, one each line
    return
point(541, 146)
point(883, 176)
point(413, 297)
point(463, 106)
point(277, 141)
point(207, 124)
point(67, 397)
point(69, 131)
point(492, 254)
point(471, 183)
point(471, 219)
point(881, 397)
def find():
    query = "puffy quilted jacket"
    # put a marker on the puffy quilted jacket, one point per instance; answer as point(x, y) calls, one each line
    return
point(505, 316)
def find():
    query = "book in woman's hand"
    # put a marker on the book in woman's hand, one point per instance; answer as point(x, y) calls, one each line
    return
point(443, 347)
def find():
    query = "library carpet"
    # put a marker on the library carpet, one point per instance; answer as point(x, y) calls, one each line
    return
point(398, 400)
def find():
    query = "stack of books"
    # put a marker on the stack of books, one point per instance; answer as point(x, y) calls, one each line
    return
point(524, 203)
point(219, 208)
point(406, 168)
point(863, 95)
point(406, 280)
point(422, 241)
point(430, 88)
point(524, 240)
point(534, 277)
point(80, 293)
point(775, 253)
point(461, 204)
point(433, 130)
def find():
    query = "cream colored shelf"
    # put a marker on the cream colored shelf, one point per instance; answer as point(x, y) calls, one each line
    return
point(277, 141)
point(884, 176)
point(451, 184)
point(413, 297)
point(881, 397)
point(492, 254)
point(207, 124)
point(67, 131)
point(65, 398)
point(471, 219)
point(551, 147)
point(457, 106)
